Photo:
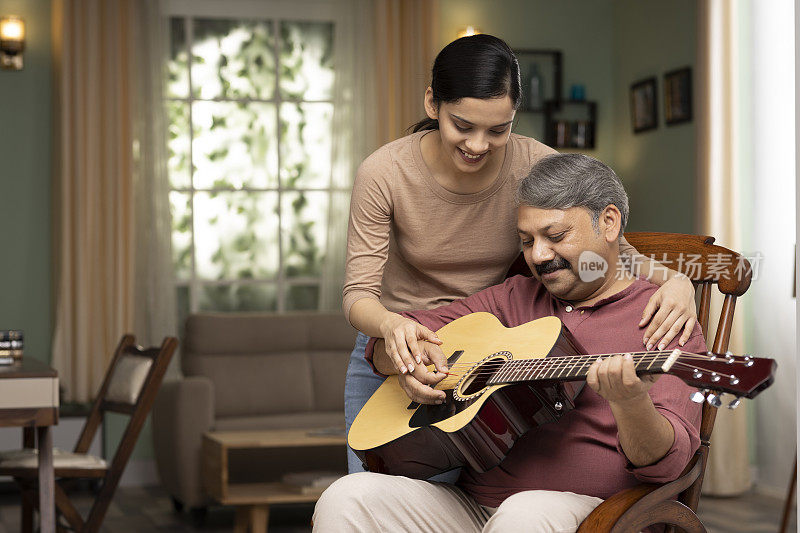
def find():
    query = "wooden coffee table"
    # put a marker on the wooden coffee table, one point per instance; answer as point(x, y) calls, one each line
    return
point(252, 500)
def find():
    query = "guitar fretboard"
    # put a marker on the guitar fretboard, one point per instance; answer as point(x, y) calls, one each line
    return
point(566, 368)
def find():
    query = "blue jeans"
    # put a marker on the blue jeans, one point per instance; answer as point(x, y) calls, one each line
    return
point(359, 385)
point(361, 382)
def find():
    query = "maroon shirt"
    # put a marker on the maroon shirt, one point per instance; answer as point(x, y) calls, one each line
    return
point(581, 452)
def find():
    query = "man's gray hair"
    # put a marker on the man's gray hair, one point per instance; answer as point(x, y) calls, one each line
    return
point(561, 181)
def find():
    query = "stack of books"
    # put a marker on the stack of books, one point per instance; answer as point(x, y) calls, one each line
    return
point(12, 342)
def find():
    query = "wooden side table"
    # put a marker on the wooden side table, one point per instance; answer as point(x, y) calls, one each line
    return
point(252, 500)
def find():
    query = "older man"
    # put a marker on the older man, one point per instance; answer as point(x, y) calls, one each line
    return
point(623, 430)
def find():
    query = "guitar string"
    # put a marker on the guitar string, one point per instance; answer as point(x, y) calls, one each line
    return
point(578, 358)
point(553, 369)
point(532, 378)
point(556, 363)
point(644, 353)
point(521, 364)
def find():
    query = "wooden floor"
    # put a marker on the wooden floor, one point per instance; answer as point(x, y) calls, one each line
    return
point(137, 510)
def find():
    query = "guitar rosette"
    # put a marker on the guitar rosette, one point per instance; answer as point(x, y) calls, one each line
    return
point(474, 381)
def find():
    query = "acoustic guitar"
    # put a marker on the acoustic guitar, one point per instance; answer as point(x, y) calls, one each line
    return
point(505, 381)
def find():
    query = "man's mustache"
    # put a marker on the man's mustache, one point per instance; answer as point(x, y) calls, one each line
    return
point(551, 266)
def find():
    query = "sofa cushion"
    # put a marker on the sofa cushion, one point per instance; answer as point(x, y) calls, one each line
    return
point(266, 363)
point(330, 332)
point(256, 384)
point(230, 333)
point(328, 370)
point(314, 419)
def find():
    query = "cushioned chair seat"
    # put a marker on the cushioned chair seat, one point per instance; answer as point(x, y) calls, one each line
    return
point(28, 458)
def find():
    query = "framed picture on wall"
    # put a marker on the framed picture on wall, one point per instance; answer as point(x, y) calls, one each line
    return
point(643, 105)
point(678, 96)
point(540, 73)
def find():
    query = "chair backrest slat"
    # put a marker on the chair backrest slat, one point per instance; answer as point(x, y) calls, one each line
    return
point(706, 264)
point(705, 307)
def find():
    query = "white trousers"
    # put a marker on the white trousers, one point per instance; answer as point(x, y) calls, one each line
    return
point(369, 502)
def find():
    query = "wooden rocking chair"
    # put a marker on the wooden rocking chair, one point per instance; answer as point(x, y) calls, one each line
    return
point(675, 503)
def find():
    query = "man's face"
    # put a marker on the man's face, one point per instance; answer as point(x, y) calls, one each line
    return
point(556, 244)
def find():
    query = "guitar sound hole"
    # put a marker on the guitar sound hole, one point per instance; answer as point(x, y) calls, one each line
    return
point(478, 379)
point(475, 383)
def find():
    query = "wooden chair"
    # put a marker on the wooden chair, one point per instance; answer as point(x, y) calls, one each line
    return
point(706, 265)
point(675, 503)
point(130, 386)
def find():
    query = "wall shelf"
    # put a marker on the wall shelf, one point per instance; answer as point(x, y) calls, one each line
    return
point(570, 123)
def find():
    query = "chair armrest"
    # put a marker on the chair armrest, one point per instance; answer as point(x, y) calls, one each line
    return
point(606, 515)
point(643, 505)
point(182, 412)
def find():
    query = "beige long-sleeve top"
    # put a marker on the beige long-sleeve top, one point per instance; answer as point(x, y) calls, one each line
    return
point(412, 244)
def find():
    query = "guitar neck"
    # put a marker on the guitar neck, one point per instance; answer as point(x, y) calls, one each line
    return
point(575, 368)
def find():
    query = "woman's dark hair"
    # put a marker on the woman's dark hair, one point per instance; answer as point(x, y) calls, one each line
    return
point(478, 66)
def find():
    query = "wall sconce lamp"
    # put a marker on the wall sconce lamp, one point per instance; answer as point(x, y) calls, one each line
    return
point(12, 42)
point(469, 30)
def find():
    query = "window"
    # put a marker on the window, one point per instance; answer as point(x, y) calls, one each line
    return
point(250, 107)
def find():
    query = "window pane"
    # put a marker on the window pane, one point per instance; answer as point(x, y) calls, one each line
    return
point(178, 66)
point(181, 211)
point(306, 145)
point(236, 235)
point(302, 298)
point(234, 145)
point(304, 219)
point(233, 59)
point(182, 300)
point(238, 297)
point(306, 60)
point(178, 142)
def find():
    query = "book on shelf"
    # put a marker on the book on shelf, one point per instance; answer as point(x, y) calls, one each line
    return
point(11, 345)
point(11, 335)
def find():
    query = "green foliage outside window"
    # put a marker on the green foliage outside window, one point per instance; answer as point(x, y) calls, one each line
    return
point(249, 161)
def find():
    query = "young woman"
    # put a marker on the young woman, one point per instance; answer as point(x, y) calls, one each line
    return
point(433, 218)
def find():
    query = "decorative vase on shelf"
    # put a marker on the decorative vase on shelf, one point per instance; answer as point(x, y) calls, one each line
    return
point(535, 88)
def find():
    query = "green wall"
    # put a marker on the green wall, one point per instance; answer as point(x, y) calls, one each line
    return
point(25, 169)
point(652, 37)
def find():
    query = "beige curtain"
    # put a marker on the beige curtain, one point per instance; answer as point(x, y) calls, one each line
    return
point(405, 44)
point(381, 80)
point(103, 160)
point(720, 168)
point(354, 99)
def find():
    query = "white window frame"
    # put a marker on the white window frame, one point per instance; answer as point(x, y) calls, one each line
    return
point(275, 11)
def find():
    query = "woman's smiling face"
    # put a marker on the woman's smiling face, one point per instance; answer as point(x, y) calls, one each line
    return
point(474, 131)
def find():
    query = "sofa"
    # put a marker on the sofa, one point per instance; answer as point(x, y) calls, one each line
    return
point(249, 371)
